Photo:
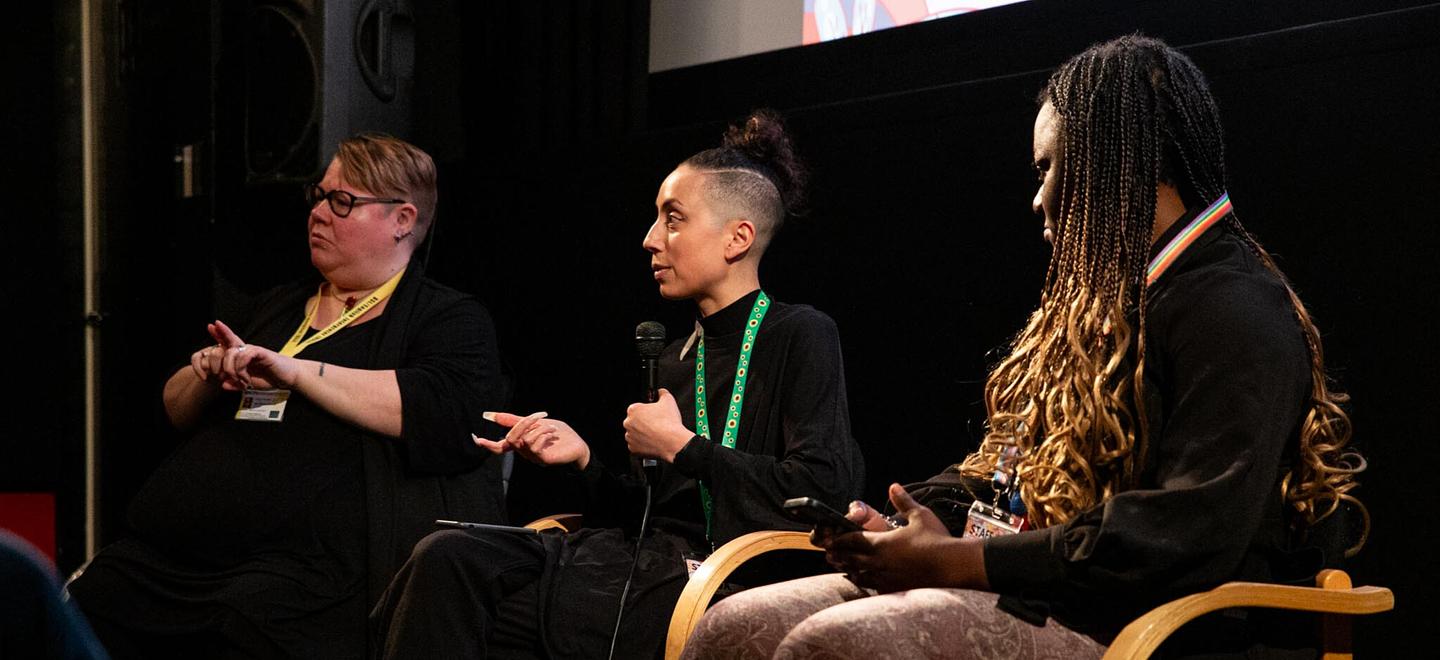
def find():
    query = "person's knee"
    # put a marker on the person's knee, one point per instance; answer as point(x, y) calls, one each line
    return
point(736, 610)
point(733, 628)
point(442, 547)
point(440, 557)
point(473, 560)
point(833, 628)
point(820, 626)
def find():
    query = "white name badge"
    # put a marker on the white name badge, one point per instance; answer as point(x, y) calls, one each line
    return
point(693, 561)
point(262, 405)
point(986, 521)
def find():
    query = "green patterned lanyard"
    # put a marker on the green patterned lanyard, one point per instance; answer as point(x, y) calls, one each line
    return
point(737, 395)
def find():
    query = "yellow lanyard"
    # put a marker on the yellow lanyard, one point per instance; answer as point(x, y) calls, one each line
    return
point(298, 342)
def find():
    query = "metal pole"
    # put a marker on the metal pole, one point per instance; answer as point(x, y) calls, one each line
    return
point(90, 160)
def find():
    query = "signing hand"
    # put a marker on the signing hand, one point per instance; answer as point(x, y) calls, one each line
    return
point(920, 554)
point(208, 362)
point(538, 440)
point(246, 365)
point(654, 430)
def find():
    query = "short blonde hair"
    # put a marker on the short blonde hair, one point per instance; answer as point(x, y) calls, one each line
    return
point(386, 165)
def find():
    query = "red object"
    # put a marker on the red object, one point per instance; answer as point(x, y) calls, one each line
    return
point(30, 516)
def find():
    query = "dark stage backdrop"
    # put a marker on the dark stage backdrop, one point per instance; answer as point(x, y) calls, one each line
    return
point(920, 243)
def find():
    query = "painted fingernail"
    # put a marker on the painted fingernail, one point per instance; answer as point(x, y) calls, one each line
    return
point(488, 415)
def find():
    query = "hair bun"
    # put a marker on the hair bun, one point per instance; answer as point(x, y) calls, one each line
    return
point(762, 139)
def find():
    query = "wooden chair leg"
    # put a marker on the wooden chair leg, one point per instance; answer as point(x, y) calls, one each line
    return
point(1335, 633)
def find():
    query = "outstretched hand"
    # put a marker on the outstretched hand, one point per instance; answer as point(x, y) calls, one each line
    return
point(920, 554)
point(537, 439)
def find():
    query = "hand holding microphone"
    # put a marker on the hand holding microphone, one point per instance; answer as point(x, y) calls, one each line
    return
point(653, 429)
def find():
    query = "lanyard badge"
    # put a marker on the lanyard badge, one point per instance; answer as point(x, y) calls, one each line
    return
point(1006, 515)
point(987, 520)
point(737, 393)
point(262, 405)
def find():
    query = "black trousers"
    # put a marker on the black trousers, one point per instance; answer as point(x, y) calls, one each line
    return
point(463, 594)
point(477, 594)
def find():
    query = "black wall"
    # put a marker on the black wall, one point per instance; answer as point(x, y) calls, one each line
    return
point(42, 444)
point(920, 243)
point(922, 246)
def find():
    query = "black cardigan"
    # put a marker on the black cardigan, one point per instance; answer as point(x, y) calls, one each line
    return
point(441, 344)
point(794, 437)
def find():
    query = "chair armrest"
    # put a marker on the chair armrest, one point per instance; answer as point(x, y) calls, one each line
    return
point(1334, 595)
point(565, 522)
point(695, 598)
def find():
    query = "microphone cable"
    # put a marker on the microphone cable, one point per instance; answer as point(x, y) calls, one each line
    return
point(649, 343)
point(624, 593)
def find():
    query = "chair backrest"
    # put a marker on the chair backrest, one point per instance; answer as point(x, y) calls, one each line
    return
point(1332, 596)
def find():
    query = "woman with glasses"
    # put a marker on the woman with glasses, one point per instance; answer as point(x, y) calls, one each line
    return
point(331, 427)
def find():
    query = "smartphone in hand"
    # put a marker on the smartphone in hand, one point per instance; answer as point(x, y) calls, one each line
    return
point(819, 514)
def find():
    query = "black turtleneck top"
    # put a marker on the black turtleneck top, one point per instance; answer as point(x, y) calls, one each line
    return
point(793, 439)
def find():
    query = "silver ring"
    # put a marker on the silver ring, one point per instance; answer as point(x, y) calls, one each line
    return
point(241, 348)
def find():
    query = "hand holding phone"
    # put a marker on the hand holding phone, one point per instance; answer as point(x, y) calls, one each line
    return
point(817, 513)
point(822, 516)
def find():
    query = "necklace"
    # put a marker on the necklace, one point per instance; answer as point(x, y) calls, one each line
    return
point(348, 301)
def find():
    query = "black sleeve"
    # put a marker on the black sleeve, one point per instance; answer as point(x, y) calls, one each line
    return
point(611, 500)
point(450, 376)
point(1238, 376)
point(818, 457)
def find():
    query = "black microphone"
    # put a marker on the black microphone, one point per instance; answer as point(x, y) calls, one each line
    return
point(649, 342)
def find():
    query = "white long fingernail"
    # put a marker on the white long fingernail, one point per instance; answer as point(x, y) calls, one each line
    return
point(488, 415)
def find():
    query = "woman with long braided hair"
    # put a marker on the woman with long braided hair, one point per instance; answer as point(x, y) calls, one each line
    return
point(1162, 424)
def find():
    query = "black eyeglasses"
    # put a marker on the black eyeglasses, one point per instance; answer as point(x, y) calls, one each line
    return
point(342, 202)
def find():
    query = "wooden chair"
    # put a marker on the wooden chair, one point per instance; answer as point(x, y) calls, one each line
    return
point(1333, 596)
point(695, 597)
point(565, 522)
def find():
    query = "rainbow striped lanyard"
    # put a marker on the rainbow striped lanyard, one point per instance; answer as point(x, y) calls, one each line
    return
point(737, 393)
point(1177, 246)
